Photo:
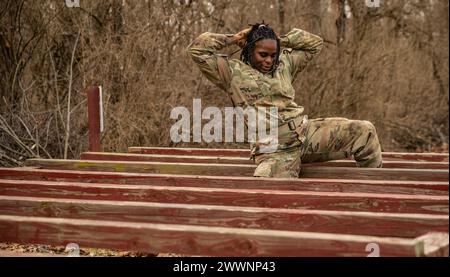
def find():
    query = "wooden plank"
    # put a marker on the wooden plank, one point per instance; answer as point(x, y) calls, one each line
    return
point(421, 157)
point(241, 170)
point(337, 201)
point(196, 240)
point(245, 153)
point(345, 222)
point(104, 156)
point(376, 173)
point(435, 244)
point(146, 167)
point(303, 184)
point(95, 117)
point(387, 164)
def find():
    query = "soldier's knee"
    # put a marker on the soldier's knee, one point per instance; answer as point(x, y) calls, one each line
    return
point(369, 125)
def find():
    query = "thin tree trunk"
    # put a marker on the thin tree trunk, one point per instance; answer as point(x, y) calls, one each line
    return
point(281, 15)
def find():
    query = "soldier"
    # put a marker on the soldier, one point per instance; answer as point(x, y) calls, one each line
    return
point(263, 77)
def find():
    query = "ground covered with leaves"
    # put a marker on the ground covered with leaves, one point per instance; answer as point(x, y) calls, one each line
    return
point(45, 250)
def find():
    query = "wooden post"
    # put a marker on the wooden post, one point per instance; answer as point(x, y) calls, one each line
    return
point(95, 117)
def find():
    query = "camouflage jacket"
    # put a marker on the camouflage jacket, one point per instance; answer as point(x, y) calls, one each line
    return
point(249, 87)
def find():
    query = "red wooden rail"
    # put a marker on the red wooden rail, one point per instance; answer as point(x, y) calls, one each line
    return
point(103, 156)
point(340, 222)
point(232, 197)
point(245, 153)
point(241, 170)
point(94, 117)
point(303, 184)
point(186, 208)
point(208, 240)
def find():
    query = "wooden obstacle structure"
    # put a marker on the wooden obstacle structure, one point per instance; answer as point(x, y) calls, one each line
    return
point(205, 202)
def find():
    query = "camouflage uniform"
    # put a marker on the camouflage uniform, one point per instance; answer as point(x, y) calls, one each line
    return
point(309, 140)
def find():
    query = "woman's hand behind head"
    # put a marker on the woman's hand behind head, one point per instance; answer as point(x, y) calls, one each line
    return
point(241, 37)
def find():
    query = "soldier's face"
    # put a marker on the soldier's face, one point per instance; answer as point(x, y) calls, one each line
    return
point(264, 55)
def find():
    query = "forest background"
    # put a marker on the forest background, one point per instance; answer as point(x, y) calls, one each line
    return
point(386, 64)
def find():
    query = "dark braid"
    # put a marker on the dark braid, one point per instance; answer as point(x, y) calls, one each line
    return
point(259, 32)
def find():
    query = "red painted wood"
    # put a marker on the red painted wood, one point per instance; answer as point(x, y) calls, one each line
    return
point(369, 202)
point(147, 167)
point(93, 96)
point(436, 244)
point(435, 157)
point(424, 157)
point(241, 170)
point(387, 164)
point(342, 222)
point(196, 240)
point(103, 156)
point(245, 153)
point(375, 173)
point(304, 184)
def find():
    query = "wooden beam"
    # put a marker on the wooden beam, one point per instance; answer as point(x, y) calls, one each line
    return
point(146, 167)
point(343, 222)
point(337, 201)
point(245, 153)
point(104, 156)
point(435, 244)
point(94, 117)
point(302, 184)
point(196, 240)
point(420, 157)
point(241, 170)
point(376, 173)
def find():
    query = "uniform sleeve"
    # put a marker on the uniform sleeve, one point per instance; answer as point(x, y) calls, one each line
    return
point(301, 48)
point(203, 51)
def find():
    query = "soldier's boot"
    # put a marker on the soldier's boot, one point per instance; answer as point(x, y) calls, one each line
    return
point(285, 164)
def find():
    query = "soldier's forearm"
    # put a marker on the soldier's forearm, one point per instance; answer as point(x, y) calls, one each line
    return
point(298, 39)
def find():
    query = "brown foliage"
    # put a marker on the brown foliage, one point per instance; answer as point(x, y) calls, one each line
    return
point(388, 65)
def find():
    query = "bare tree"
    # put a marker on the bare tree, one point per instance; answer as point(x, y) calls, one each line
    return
point(388, 65)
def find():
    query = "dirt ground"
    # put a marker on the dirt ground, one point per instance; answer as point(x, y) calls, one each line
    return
point(12, 249)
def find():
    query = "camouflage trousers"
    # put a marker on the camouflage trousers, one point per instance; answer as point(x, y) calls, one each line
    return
point(326, 139)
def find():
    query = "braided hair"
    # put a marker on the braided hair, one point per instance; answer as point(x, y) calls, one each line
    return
point(259, 32)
